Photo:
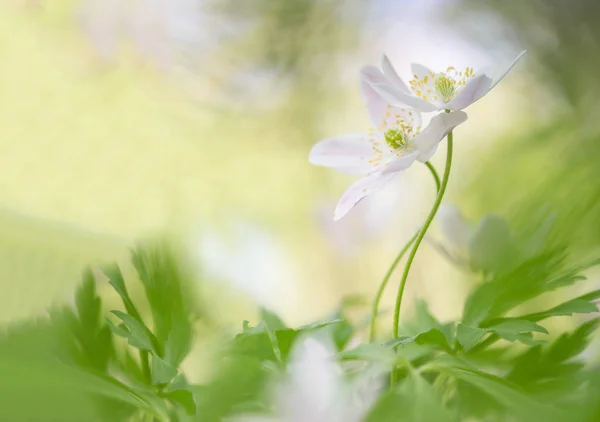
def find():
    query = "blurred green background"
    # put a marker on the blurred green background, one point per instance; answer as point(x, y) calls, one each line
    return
point(192, 120)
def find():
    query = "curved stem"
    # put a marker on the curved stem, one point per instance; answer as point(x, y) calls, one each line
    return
point(421, 235)
point(390, 271)
point(435, 175)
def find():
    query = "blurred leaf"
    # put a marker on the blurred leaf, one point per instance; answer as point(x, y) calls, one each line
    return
point(272, 320)
point(581, 305)
point(504, 392)
point(492, 299)
point(511, 328)
point(162, 372)
point(237, 381)
point(139, 335)
point(414, 400)
point(115, 279)
point(370, 352)
point(433, 337)
point(491, 247)
point(121, 330)
point(183, 397)
point(166, 290)
point(538, 365)
point(469, 336)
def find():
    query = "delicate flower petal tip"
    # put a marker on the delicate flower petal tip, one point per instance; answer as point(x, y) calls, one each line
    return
point(376, 106)
point(455, 228)
point(498, 77)
point(392, 94)
point(360, 189)
point(346, 153)
point(437, 130)
point(473, 91)
point(390, 73)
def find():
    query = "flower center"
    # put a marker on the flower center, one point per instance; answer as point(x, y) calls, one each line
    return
point(395, 138)
point(441, 86)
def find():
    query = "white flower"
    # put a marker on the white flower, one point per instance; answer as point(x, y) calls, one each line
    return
point(451, 89)
point(384, 152)
point(315, 389)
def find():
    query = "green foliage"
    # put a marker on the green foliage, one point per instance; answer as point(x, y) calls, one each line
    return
point(126, 365)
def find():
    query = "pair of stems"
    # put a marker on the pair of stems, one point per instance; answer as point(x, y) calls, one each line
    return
point(415, 241)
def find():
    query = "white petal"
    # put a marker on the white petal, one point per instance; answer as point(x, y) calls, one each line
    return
point(390, 73)
point(455, 227)
point(500, 75)
point(313, 383)
point(474, 90)
point(376, 105)
point(347, 153)
point(390, 93)
point(360, 189)
point(420, 70)
point(399, 163)
point(437, 129)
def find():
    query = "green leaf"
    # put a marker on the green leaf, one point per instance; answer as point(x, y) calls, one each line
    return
point(162, 372)
point(139, 335)
point(183, 397)
point(320, 324)
point(414, 400)
point(370, 352)
point(171, 303)
point(581, 305)
point(272, 320)
point(504, 392)
point(493, 299)
point(511, 328)
point(254, 342)
point(469, 336)
point(120, 330)
point(433, 337)
point(491, 247)
point(115, 279)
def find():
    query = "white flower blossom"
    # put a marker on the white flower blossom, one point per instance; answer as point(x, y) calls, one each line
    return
point(382, 154)
point(450, 89)
point(315, 389)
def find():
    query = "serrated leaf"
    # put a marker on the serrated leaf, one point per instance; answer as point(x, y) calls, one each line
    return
point(414, 400)
point(178, 344)
point(511, 328)
point(139, 335)
point(469, 336)
point(116, 280)
point(162, 372)
point(506, 394)
point(579, 305)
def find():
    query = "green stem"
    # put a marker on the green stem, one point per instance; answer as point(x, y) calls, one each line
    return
point(390, 271)
point(421, 235)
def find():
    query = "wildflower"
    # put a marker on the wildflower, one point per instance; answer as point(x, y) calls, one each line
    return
point(382, 154)
point(451, 89)
point(315, 389)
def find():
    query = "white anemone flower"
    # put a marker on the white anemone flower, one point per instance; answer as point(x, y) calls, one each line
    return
point(382, 154)
point(315, 389)
point(451, 89)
